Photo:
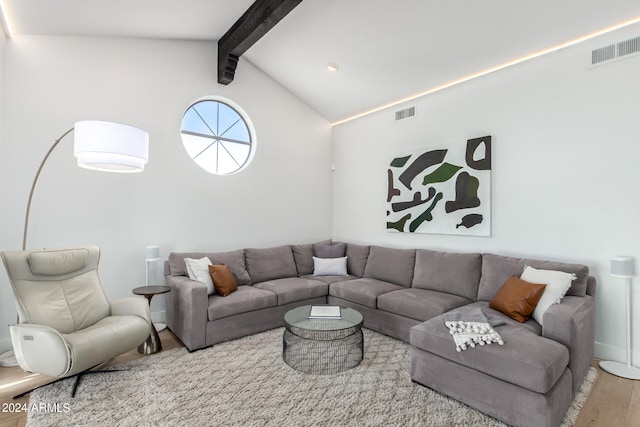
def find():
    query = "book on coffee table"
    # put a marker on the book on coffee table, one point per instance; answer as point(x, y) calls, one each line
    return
point(325, 312)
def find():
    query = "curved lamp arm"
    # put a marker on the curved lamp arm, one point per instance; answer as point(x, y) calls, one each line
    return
point(33, 186)
point(102, 146)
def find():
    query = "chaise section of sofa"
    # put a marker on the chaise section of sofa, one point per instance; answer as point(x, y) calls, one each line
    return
point(532, 378)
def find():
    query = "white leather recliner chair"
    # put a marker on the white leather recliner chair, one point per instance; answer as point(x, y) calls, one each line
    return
point(66, 324)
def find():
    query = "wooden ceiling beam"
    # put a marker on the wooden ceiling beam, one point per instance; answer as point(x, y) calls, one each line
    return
point(261, 16)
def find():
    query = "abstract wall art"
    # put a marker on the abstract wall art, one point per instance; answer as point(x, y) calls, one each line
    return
point(442, 190)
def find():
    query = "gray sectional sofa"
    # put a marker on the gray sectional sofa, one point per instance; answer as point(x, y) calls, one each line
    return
point(405, 293)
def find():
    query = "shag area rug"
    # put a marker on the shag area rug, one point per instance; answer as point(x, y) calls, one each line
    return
point(245, 382)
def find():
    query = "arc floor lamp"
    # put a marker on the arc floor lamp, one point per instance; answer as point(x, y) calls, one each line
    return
point(102, 146)
point(98, 145)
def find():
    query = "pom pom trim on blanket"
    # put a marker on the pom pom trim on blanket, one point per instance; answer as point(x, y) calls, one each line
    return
point(471, 327)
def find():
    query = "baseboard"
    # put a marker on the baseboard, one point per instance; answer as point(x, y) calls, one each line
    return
point(159, 316)
point(618, 354)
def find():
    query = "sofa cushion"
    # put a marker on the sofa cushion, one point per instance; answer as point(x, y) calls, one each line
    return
point(223, 279)
point(245, 299)
point(363, 291)
point(453, 273)
point(356, 259)
point(517, 298)
point(330, 279)
point(329, 250)
point(233, 259)
point(391, 265)
point(270, 263)
point(303, 257)
point(530, 325)
point(496, 269)
point(419, 304)
point(294, 289)
point(558, 283)
point(330, 266)
point(526, 359)
point(198, 270)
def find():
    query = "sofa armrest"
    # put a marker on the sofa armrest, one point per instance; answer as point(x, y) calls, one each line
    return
point(572, 323)
point(187, 310)
point(131, 306)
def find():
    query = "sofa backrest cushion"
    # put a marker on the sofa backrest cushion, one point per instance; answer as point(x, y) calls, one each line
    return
point(270, 263)
point(234, 260)
point(329, 250)
point(303, 257)
point(357, 256)
point(391, 265)
point(453, 273)
point(496, 269)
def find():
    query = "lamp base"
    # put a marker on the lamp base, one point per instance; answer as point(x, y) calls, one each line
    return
point(621, 369)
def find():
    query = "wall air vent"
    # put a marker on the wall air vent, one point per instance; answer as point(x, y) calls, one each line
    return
point(615, 51)
point(628, 47)
point(406, 113)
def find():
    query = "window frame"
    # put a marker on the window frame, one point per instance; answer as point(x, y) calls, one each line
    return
point(242, 114)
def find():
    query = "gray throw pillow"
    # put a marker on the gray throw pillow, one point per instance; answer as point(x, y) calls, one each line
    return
point(336, 250)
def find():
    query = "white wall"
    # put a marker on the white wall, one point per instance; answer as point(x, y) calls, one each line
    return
point(284, 196)
point(566, 144)
point(6, 305)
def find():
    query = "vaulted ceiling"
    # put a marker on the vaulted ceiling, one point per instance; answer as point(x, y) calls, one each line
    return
point(385, 49)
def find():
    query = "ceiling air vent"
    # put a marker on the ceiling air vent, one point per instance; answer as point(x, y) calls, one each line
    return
point(406, 113)
point(615, 51)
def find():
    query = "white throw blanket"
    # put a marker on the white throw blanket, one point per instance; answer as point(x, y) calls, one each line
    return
point(470, 327)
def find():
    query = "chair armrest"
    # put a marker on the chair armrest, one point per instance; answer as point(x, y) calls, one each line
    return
point(572, 323)
point(131, 306)
point(187, 310)
point(40, 349)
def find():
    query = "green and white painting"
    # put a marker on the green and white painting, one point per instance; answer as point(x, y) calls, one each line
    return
point(442, 190)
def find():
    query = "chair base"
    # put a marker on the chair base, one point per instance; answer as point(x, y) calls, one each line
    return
point(76, 383)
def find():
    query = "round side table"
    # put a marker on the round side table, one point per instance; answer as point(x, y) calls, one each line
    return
point(152, 344)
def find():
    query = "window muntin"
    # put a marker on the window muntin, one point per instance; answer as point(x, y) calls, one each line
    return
point(218, 136)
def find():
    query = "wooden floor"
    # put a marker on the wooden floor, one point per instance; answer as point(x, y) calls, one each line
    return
point(613, 402)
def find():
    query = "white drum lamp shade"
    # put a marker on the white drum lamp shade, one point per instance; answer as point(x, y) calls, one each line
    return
point(112, 147)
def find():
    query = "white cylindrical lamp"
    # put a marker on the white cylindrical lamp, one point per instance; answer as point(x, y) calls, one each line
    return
point(623, 267)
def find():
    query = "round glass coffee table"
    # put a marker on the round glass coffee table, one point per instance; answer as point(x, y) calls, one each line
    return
point(322, 346)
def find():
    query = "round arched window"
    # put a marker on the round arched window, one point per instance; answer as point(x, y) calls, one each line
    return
point(218, 135)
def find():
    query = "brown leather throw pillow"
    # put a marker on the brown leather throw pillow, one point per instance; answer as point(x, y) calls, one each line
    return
point(223, 279)
point(517, 298)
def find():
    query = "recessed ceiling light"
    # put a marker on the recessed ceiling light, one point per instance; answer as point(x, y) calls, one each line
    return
point(332, 66)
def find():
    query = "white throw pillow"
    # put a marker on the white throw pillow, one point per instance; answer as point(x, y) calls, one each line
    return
point(330, 266)
point(198, 269)
point(558, 283)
